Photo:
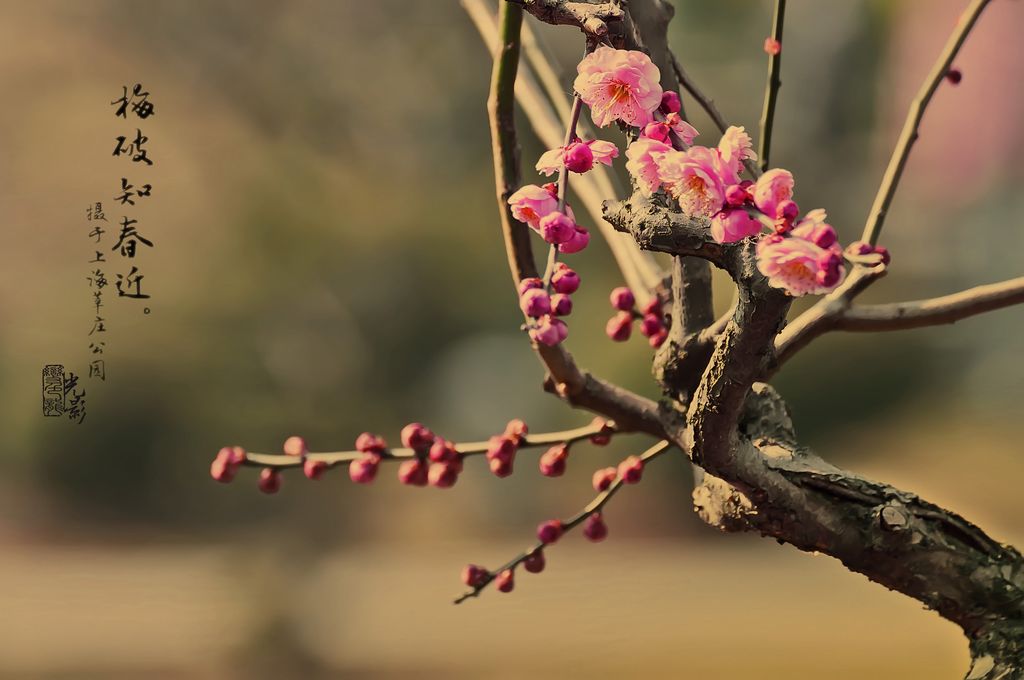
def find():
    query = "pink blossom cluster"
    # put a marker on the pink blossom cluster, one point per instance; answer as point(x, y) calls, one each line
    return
point(537, 207)
point(544, 308)
point(502, 448)
point(652, 319)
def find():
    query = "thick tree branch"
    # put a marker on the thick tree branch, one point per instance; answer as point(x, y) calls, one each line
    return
point(771, 90)
point(909, 134)
point(592, 18)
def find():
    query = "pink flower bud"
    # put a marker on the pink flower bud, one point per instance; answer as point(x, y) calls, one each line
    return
point(475, 576)
point(619, 327)
point(556, 227)
point(670, 102)
point(604, 478)
point(370, 443)
point(364, 470)
point(295, 446)
point(413, 472)
point(314, 469)
point(579, 241)
point(442, 451)
point(622, 298)
point(653, 306)
point(505, 581)
point(501, 468)
point(549, 331)
point(534, 562)
point(772, 46)
point(270, 480)
point(884, 252)
point(501, 447)
point(650, 325)
point(578, 157)
point(417, 437)
point(535, 303)
point(658, 339)
point(736, 195)
point(516, 430)
point(657, 131)
point(631, 469)
point(552, 462)
point(222, 470)
point(529, 283)
point(443, 475)
point(565, 280)
point(604, 436)
point(954, 76)
point(549, 532)
point(822, 235)
point(561, 304)
point(594, 528)
point(787, 210)
point(859, 248)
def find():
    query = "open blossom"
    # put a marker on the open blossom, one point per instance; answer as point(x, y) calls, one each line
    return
point(799, 266)
point(686, 132)
point(619, 85)
point(772, 188)
point(642, 166)
point(734, 148)
point(578, 156)
point(692, 178)
point(730, 226)
point(531, 203)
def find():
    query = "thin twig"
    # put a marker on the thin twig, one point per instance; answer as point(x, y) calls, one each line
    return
point(771, 90)
point(593, 506)
point(935, 311)
point(891, 179)
point(332, 458)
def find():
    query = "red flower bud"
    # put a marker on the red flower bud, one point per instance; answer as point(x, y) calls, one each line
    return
point(364, 470)
point(534, 562)
point(314, 469)
point(474, 576)
point(417, 437)
point(270, 480)
point(594, 528)
point(552, 462)
point(603, 478)
point(631, 469)
point(549, 532)
point(295, 446)
point(413, 472)
point(370, 443)
point(505, 581)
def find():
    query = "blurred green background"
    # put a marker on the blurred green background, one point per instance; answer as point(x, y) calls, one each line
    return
point(327, 261)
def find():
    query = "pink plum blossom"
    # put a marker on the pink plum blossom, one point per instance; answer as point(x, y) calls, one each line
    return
point(686, 132)
point(556, 227)
point(771, 189)
point(730, 226)
point(619, 85)
point(531, 203)
point(734, 148)
point(670, 102)
point(692, 178)
point(642, 166)
point(799, 266)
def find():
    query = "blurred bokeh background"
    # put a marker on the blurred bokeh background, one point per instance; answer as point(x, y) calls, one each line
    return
point(327, 261)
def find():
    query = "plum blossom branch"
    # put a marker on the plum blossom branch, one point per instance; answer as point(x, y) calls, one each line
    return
point(771, 92)
point(909, 134)
point(566, 379)
point(285, 461)
point(612, 480)
point(638, 268)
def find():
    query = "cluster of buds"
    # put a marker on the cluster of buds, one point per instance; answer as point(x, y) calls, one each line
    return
point(652, 319)
point(502, 448)
point(537, 206)
point(543, 308)
point(863, 252)
point(226, 463)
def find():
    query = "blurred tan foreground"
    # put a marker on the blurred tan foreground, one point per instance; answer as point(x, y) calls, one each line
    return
point(621, 609)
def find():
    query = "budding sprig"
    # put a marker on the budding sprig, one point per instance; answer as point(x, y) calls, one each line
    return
point(424, 459)
point(607, 482)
